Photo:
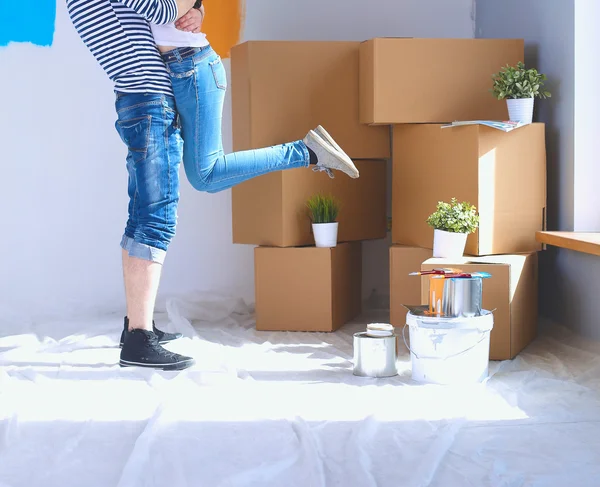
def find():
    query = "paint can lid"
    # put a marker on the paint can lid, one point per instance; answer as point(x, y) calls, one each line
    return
point(380, 329)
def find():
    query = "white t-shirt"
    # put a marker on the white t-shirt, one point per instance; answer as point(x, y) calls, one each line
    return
point(169, 35)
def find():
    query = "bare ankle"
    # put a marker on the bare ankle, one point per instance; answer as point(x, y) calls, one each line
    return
point(141, 285)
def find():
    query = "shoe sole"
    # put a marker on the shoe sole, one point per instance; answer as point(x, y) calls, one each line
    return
point(346, 165)
point(330, 140)
point(184, 364)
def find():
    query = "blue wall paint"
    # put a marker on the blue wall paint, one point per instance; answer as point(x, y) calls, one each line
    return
point(27, 21)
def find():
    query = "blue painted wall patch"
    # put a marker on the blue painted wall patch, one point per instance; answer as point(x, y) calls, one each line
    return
point(27, 21)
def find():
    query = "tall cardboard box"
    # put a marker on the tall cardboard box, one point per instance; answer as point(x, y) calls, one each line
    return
point(282, 89)
point(405, 289)
point(512, 292)
point(433, 80)
point(307, 289)
point(503, 174)
point(271, 210)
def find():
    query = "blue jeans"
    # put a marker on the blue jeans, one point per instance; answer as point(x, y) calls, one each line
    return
point(199, 83)
point(148, 125)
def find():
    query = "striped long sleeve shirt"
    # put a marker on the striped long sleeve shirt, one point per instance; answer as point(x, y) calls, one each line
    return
point(118, 34)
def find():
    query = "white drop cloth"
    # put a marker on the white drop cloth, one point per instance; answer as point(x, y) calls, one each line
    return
point(284, 410)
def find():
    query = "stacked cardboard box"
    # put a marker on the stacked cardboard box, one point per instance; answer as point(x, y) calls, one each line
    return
point(432, 80)
point(307, 288)
point(417, 85)
point(281, 90)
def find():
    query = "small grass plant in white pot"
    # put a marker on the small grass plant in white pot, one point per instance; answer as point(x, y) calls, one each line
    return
point(323, 212)
point(519, 87)
point(452, 223)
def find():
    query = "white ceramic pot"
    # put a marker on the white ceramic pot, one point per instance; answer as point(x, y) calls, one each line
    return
point(520, 110)
point(449, 245)
point(325, 234)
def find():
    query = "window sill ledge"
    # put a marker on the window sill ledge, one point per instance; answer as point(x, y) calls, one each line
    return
point(587, 243)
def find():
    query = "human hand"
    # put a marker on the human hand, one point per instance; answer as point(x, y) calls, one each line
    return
point(191, 21)
point(183, 7)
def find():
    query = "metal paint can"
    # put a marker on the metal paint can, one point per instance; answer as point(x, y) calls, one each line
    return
point(462, 298)
point(375, 356)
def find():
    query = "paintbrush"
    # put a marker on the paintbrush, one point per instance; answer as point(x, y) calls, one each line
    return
point(436, 272)
point(463, 275)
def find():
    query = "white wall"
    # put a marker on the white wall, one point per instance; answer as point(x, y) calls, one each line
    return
point(587, 125)
point(63, 184)
point(348, 20)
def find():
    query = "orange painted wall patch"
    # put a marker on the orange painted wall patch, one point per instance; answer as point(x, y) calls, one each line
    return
point(223, 24)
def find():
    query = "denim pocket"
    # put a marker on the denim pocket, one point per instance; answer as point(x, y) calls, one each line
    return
point(180, 69)
point(219, 73)
point(135, 133)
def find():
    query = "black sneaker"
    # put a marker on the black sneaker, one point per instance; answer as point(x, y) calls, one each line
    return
point(141, 349)
point(163, 336)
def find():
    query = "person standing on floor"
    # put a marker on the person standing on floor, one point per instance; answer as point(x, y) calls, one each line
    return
point(118, 33)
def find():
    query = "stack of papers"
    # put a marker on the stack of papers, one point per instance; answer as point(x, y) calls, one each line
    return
point(504, 126)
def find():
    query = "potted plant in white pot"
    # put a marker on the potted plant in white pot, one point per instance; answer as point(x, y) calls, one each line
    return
point(519, 87)
point(452, 222)
point(323, 211)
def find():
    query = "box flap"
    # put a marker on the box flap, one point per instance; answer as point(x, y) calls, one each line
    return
point(512, 181)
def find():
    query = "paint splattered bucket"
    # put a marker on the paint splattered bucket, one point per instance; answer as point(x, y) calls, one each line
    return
point(450, 350)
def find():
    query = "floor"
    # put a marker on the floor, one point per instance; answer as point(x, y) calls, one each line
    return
point(276, 409)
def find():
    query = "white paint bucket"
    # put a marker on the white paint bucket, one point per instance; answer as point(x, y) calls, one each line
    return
point(325, 234)
point(520, 109)
point(449, 245)
point(450, 350)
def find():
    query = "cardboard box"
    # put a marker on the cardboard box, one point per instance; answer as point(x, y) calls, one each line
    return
point(405, 289)
point(433, 80)
point(307, 289)
point(282, 89)
point(512, 291)
point(502, 174)
point(270, 210)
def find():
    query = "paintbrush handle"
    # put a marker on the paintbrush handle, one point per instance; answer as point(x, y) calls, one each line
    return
point(453, 276)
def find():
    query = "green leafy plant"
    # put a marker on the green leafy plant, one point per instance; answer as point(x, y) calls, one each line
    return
point(518, 82)
point(454, 217)
point(323, 208)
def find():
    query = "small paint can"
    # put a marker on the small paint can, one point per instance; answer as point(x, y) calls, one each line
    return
point(462, 298)
point(375, 356)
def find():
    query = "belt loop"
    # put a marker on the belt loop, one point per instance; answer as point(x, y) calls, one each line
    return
point(177, 55)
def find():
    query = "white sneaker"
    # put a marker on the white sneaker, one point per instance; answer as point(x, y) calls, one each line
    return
point(328, 156)
point(329, 139)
